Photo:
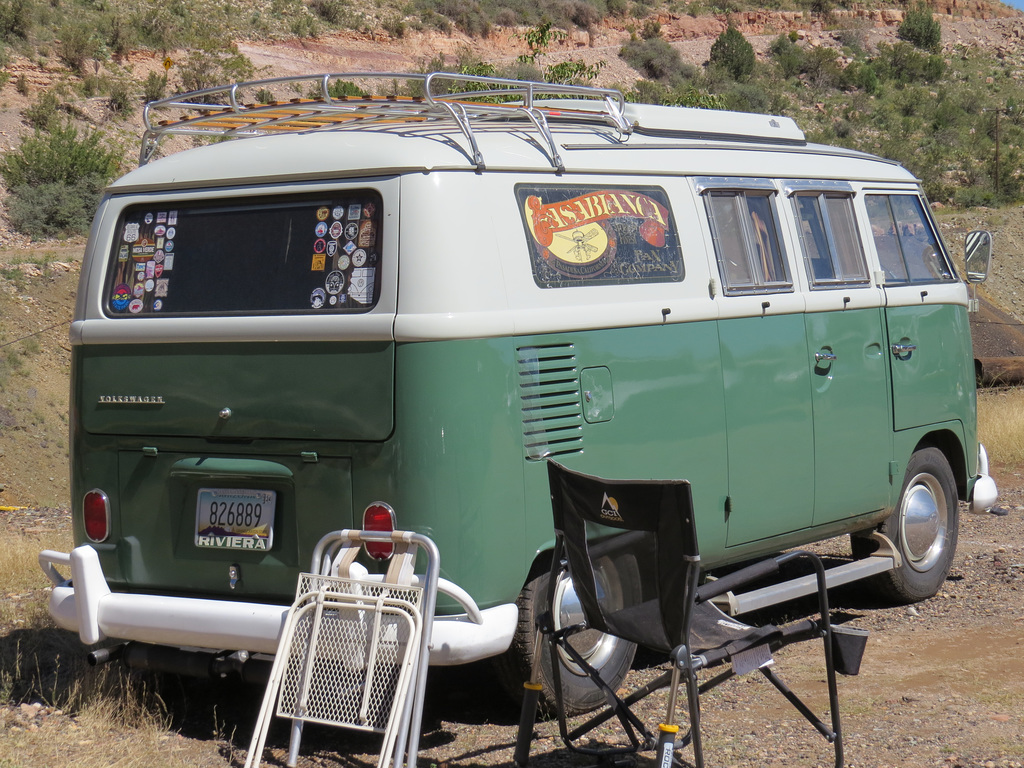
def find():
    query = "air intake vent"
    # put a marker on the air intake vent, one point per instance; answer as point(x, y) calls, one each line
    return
point(549, 388)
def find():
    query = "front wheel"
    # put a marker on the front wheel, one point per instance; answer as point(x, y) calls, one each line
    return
point(924, 529)
point(610, 655)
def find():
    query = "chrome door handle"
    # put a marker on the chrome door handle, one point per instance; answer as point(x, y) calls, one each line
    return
point(901, 350)
point(825, 357)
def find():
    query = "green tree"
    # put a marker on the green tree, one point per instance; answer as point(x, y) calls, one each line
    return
point(919, 28)
point(732, 52)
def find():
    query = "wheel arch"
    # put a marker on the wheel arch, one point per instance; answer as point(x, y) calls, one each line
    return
point(951, 445)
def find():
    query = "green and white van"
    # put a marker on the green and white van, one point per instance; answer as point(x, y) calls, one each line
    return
point(402, 306)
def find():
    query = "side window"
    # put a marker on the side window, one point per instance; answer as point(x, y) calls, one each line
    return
point(746, 235)
point(588, 235)
point(908, 248)
point(832, 248)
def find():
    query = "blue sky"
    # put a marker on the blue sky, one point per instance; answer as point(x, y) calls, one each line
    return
point(1019, 4)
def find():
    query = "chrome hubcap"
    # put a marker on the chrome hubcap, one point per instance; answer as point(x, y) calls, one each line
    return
point(923, 522)
point(594, 646)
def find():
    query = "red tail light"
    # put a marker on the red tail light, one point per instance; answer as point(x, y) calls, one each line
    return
point(96, 515)
point(379, 517)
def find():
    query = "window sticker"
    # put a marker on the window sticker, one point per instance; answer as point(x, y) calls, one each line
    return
point(260, 256)
point(599, 235)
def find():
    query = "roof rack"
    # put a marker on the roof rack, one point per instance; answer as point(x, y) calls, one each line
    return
point(244, 109)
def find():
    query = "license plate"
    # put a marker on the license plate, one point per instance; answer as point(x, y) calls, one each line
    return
point(235, 518)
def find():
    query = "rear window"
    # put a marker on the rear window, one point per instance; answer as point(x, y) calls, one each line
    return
point(257, 257)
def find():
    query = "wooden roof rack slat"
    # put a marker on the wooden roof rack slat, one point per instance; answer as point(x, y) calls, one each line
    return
point(219, 112)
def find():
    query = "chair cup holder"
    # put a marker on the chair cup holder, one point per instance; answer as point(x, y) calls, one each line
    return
point(848, 649)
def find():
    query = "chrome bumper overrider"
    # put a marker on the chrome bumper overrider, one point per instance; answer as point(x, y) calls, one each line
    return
point(85, 604)
point(985, 493)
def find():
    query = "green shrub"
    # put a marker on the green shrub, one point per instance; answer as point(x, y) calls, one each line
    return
point(822, 68)
point(44, 112)
point(122, 100)
point(919, 28)
point(78, 43)
point(154, 86)
point(903, 63)
point(55, 178)
point(54, 210)
point(788, 55)
point(732, 52)
point(16, 20)
point(335, 12)
point(654, 57)
point(211, 65)
point(572, 72)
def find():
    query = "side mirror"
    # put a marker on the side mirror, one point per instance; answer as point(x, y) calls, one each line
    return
point(978, 255)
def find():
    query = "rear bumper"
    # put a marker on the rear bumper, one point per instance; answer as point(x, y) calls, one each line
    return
point(86, 605)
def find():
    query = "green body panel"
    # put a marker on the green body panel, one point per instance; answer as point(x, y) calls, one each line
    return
point(935, 382)
point(669, 420)
point(730, 405)
point(850, 398)
point(454, 468)
point(327, 390)
point(158, 520)
point(769, 423)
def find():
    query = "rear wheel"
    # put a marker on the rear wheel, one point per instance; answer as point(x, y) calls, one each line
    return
point(610, 655)
point(923, 528)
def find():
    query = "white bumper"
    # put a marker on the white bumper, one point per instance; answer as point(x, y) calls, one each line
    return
point(85, 604)
point(985, 493)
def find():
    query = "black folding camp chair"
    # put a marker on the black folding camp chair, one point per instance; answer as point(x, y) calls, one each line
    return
point(646, 529)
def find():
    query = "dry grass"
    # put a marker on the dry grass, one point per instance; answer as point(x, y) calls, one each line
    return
point(1001, 425)
point(54, 708)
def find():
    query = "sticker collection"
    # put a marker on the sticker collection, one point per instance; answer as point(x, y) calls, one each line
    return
point(343, 252)
point(145, 261)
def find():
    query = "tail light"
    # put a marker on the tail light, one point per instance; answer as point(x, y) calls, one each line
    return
point(96, 515)
point(379, 517)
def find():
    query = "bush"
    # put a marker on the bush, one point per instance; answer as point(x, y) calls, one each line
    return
point(654, 57)
point(334, 12)
point(788, 55)
point(77, 44)
point(55, 178)
point(209, 66)
point(44, 111)
point(920, 29)
point(732, 52)
point(15, 19)
point(154, 87)
point(904, 64)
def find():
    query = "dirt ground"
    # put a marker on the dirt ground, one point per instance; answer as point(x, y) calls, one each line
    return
point(941, 684)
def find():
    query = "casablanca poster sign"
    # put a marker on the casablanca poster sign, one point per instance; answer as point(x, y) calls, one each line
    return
point(588, 235)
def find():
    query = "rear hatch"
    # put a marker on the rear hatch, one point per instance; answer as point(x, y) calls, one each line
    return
point(234, 356)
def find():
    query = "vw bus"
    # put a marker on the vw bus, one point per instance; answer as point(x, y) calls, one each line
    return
point(401, 306)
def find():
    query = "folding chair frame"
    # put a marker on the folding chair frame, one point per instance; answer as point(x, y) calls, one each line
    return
point(408, 598)
point(686, 660)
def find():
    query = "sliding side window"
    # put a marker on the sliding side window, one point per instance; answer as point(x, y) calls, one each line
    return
point(828, 233)
point(908, 248)
point(744, 226)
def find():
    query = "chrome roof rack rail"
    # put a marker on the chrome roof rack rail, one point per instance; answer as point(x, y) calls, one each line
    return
point(256, 108)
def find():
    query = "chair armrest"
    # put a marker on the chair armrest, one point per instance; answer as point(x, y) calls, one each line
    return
point(736, 579)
